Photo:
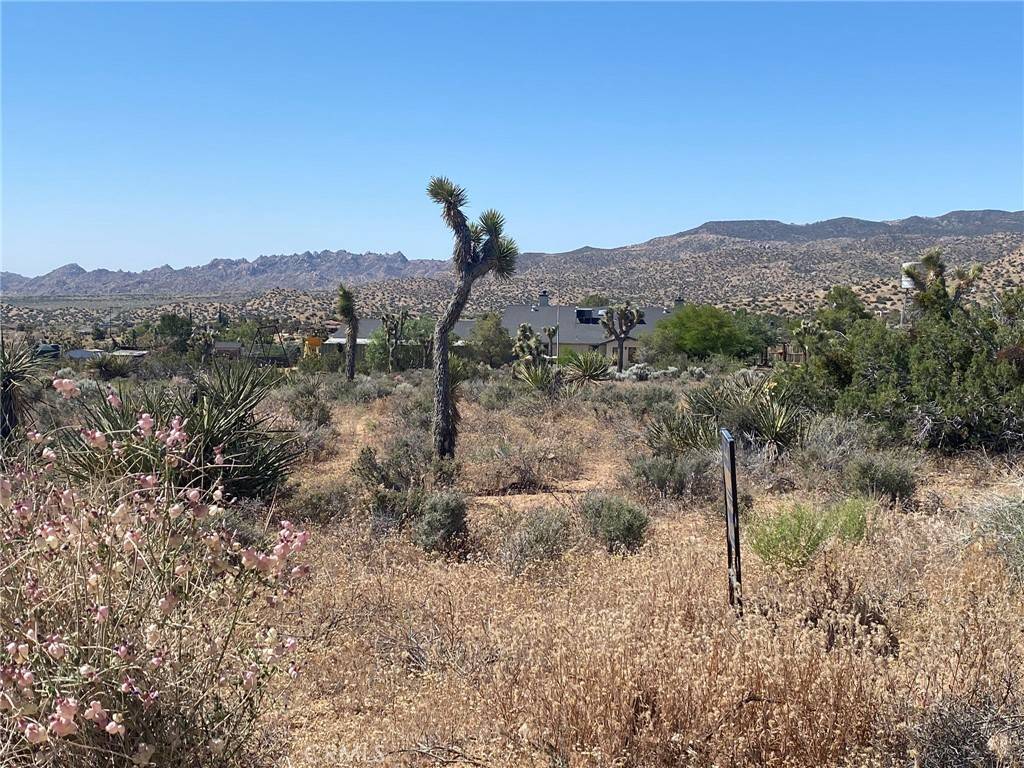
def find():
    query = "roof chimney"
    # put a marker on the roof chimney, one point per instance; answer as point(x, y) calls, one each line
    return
point(542, 300)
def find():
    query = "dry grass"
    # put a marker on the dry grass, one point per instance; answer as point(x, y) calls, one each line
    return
point(596, 659)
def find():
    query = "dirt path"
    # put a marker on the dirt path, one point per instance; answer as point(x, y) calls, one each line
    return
point(352, 423)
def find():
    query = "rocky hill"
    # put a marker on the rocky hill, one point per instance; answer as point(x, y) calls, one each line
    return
point(302, 271)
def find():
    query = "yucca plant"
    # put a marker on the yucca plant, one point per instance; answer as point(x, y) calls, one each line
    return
point(679, 432)
point(222, 439)
point(108, 367)
point(480, 247)
point(540, 376)
point(586, 368)
point(19, 370)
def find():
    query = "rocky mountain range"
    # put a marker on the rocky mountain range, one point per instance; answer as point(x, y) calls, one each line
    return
point(310, 271)
point(725, 262)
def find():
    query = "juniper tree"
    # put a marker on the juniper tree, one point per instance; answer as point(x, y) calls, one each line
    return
point(618, 321)
point(394, 333)
point(346, 307)
point(480, 247)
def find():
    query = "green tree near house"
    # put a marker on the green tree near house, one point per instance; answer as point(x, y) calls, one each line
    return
point(347, 313)
point(174, 332)
point(480, 247)
point(618, 321)
point(490, 342)
point(394, 333)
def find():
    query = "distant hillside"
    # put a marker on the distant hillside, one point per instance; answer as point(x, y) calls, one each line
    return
point(758, 265)
point(302, 271)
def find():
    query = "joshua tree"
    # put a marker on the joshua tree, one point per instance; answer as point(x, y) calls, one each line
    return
point(551, 331)
point(939, 288)
point(527, 346)
point(394, 333)
point(346, 308)
point(618, 321)
point(480, 247)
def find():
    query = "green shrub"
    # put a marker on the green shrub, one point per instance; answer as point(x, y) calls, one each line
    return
point(827, 444)
point(790, 539)
point(690, 474)
point(389, 510)
point(327, 502)
point(882, 474)
point(500, 393)
point(541, 535)
point(850, 519)
point(615, 521)
point(441, 525)
point(307, 403)
point(1001, 522)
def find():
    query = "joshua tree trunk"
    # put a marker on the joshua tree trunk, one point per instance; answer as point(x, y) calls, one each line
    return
point(444, 408)
point(622, 353)
point(351, 337)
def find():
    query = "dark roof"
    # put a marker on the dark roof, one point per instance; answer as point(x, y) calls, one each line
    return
point(226, 346)
point(576, 325)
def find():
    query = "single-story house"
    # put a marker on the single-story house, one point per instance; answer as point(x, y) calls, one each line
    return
point(85, 354)
point(579, 328)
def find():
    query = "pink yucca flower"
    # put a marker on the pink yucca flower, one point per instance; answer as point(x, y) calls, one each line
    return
point(35, 733)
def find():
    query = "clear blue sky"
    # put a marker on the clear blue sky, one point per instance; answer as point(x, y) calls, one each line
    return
point(141, 134)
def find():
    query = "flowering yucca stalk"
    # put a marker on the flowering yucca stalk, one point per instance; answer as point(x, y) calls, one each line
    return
point(134, 627)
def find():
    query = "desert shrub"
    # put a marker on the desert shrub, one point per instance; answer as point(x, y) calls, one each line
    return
point(500, 393)
point(307, 403)
point(840, 609)
point(326, 502)
point(390, 510)
point(441, 525)
point(615, 521)
point(540, 535)
point(1001, 522)
point(958, 731)
point(690, 474)
point(882, 474)
point(120, 613)
point(514, 465)
point(316, 443)
point(827, 443)
point(19, 377)
point(639, 400)
point(370, 388)
point(791, 538)
point(204, 434)
point(849, 518)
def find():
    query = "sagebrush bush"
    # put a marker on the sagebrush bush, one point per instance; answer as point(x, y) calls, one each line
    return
point(1001, 523)
point(791, 538)
point(691, 474)
point(827, 443)
point(329, 501)
point(961, 731)
point(138, 628)
point(307, 403)
point(619, 524)
point(888, 475)
point(538, 536)
point(441, 525)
